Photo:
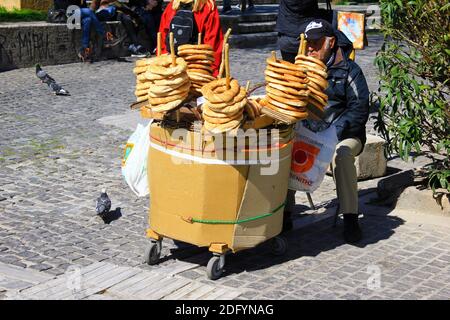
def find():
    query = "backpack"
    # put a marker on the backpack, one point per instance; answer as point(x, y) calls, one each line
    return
point(57, 14)
point(183, 27)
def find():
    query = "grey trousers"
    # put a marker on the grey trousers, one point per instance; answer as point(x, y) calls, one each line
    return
point(344, 174)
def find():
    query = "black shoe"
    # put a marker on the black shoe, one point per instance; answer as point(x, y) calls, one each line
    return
point(352, 231)
point(287, 222)
point(226, 10)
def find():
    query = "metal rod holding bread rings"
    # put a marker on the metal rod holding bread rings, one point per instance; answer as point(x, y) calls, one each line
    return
point(302, 46)
point(222, 63)
point(227, 65)
point(172, 50)
point(158, 46)
point(274, 55)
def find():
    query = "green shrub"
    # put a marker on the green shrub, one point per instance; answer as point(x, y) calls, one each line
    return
point(21, 15)
point(414, 113)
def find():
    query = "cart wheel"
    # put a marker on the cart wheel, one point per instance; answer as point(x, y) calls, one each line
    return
point(214, 269)
point(279, 246)
point(153, 252)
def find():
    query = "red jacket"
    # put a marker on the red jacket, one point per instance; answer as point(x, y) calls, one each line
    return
point(208, 23)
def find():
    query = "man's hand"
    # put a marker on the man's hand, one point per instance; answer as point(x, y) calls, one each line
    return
point(151, 4)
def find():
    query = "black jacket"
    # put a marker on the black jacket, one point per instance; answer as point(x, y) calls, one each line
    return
point(348, 100)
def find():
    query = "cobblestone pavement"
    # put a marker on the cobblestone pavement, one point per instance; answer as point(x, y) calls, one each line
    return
point(55, 158)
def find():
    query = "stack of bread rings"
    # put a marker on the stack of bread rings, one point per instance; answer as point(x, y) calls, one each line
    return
point(223, 109)
point(199, 60)
point(316, 72)
point(169, 83)
point(253, 108)
point(142, 84)
point(286, 89)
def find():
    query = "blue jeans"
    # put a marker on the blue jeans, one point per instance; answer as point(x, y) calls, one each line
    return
point(88, 17)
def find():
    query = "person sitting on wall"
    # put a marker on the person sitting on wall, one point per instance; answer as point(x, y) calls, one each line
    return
point(112, 10)
point(347, 110)
point(149, 12)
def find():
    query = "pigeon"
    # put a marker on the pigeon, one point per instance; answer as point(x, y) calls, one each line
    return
point(103, 204)
point(45, 78)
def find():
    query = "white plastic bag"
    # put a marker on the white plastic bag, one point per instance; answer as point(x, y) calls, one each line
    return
point(134, 162)
point(312, 153)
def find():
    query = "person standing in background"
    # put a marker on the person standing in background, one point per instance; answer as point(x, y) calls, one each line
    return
point(149, 12)
point(293, 17)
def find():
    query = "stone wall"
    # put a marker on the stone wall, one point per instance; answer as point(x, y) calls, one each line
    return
point(27, 4)
point(25, 44)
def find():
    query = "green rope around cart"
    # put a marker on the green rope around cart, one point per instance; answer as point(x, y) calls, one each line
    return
point(261, 216)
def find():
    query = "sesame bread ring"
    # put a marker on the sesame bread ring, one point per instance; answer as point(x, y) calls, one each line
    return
point(221, 128)
point(302, 94)
point(186, 52)
point(160, 67)
point(201, 61)
point(182, 78)
point(315, 109)
point(286, 77)
point(141, 98)
point(199, 66)
point(153, 76)
point(139, 70)
point(168, 106)
point(219, 120)
point(200, 76)
point(139, 93)
point(301, 114)
point(144, 62)
point(183, 89)
point(237, 98)
point(255, 106)
point(314, 71)
point(320, 81)
point(195, 57)
point(206, 110)
point(166, 89)
point(162, 100)
point(230, 109)
point(288, 90)
point(288, 102)
point(318, 93)
point(195, 46)
point(287, 83)
point(208, 91)
point(283, 64)
point(141, 77)
point(299, 74)
point(202, 71)
point(313, 60)
point(143, 85)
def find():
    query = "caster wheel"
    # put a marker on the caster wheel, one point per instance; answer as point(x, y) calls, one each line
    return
point(153, 252)
point(214, 269)
point(279, 246)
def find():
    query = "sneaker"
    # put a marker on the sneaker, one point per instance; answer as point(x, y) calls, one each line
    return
point(138, 51)
point(84, 54)
point(352, 231)
point(226, 10)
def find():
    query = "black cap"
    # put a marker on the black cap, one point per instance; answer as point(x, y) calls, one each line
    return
point(318, 29)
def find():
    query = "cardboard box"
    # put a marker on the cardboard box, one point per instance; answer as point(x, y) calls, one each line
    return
point(189, 182)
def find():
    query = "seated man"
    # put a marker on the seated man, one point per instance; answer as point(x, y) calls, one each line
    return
point(110, 10)
point(347, 110)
